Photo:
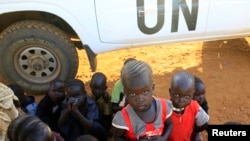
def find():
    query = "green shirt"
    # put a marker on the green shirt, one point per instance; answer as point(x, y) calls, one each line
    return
point(117, 90)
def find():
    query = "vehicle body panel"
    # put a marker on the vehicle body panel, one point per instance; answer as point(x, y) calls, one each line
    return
point(122, 24)
point(116, 27)
point(27, 42)
point(228, 18)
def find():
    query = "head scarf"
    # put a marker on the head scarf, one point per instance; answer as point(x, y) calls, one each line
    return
point(7, 109)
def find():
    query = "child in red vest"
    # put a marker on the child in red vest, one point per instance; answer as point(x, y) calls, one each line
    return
point(145, 117)
point(188, 116)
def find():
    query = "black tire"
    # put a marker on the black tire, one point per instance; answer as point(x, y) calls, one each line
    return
point(33, 53)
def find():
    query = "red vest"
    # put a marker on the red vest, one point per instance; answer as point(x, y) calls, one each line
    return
point(183, 124)
point(150, 128)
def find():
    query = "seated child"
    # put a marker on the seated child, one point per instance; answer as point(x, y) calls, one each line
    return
point(145, 117)
point(187, 116)
point(98, 85)
point(28, 103)
point(50, 107)
point(80, 114)
point(200, 97)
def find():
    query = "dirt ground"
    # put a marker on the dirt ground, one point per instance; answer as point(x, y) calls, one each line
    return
point(222, 65)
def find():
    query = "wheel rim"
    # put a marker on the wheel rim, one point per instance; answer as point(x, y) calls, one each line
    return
point(37, 64)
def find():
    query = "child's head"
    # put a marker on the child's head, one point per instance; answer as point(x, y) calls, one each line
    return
point(181, 89)
point(138, 84)
point(232, 123)
point(128, 59)
point(199, 93)
point(29, 128)
point(57, 91)
point(75, 90)
point(86, 137)
point(98, 84)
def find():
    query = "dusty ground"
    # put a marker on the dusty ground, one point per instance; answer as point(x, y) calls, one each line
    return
point(223, 66)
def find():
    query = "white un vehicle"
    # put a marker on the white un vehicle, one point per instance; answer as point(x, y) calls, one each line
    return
point(39, 38)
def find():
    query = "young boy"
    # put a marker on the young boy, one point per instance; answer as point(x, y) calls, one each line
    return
point(50, 107)
point(98, 85)
point(145, 117)
point(187, 116)
point(199, 93)
point(200, 97)
point(80, 114)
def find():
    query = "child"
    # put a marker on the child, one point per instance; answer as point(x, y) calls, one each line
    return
point(200, 97)
point(117, 97)
point(30, 128)
point(199, 93)
point(28, 103)
point(98, 85)
point(80, 114)
point(50, 107)
point(145, 117)
point(187, 116)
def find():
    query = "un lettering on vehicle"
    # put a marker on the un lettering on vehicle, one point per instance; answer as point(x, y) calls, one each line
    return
point(190, 15)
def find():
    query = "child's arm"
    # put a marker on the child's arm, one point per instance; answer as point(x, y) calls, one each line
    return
point(119, 127)
point(119, 134)
point(106, 97)
point(201, 120)
point(200, 128)
point(168, 126)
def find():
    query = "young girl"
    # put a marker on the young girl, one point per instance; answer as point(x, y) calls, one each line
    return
point(187, 116)
point(145, 117)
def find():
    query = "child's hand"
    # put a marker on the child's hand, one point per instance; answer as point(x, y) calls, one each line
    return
point(73, 104)
point(122, 102)
point(106, 97)
point(148, 138)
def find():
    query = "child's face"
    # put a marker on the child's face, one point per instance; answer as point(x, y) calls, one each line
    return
point(199, 94)
point(139, 93)
point(98, 88)
point(57, 92)
point(76, 94)
point(181, 97)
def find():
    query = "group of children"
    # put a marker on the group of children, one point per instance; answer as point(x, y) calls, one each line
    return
point(146, 117)
point(132, 111)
